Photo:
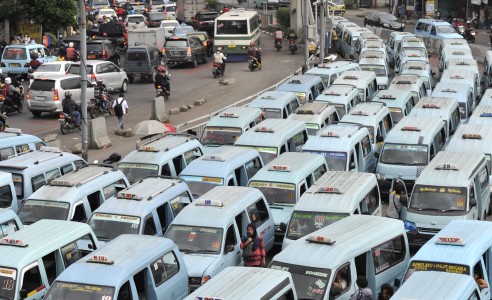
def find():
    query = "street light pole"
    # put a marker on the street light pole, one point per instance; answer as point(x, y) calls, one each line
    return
point(306, 30)
point(323, 32)
point(83, 79)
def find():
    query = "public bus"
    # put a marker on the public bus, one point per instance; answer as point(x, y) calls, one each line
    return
point(234, 30)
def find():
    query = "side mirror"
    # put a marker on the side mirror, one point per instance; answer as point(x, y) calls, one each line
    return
point(451, 131)
point(283, 226)
point(229, 249)
point(473, 202)
point(90, 246)
point(23, 294)
point(397, 282)
point(351, 166)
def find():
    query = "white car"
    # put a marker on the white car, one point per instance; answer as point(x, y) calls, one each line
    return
point(112, 76)
point(105, 13)
point(169, 26)
point(52, 67)
point(136, 21)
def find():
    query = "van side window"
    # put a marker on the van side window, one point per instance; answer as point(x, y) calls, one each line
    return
point(302, 189)
point(294, 104)
point(164, 268)
point(191, 156)
point(427, 27)
point(8, 228)
point(178, 164)
point(166, 171)
point(32, 279)
point(37, 182)
point(178, 203)
point(50, 175)
point(252, 167)
point(38, 145)
point(433, 30)
point(285, 114)
point(388, 254)
point(164, 215)
point(484, 179)
point(79, 214)
point(79, 164)
point(366, 146)
point(469, 105)
point(241, 176)
point(5, 153)
point(112, 189)
point(258, 212)
point(94, 200)
point(67, 169)
point(440, 139)
point(149, 227)
point(73, 252)
point(5, 196)
point(319, 172)
point(420, 26)
point(49, 262)
point(141, 279)
point(22, 149)
point(474, 296)
point(289, 295)
point(125, 292)
point(371, 202)
point(342, 278)
point(231, 238)
point(388, 124)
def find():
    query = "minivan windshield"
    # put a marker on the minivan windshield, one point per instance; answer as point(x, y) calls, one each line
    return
point(404, 154)
point(200, 185)
point(196, 239)
point(337, 161)
point(445, 29)
point(438, 198)
point(134, 172)
point(70, 290)
point(220, 135)
point(276, 192)
point(109, 226)
point(8, 277)
point(310, 283)
point(303, 223)
point(422, 265)
point(35, 210)
point(380, 70)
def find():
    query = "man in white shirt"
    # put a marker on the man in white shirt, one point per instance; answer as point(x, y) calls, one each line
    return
point(219, 58)
point(120, 107)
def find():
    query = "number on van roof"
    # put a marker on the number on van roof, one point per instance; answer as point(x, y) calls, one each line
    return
point(486, 115)
point(279, 168)
point(387, 96)
point(264, 129)
point(13, 130)
point(213, 157)
point(431, 105)
point(12, 242)
point(447, 240)
point(410, 128)
point(100, 259)
point(320, 239)
point(207, 202)
point(350, 77)
point(229, 115)
point(471, 136)
point(329, 190)
point(452, 167)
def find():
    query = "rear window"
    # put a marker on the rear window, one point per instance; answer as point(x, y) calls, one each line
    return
point(201, 36)
point(157, 16)
point(171, 8)
point(48, 68)
point(135, 19)
point(177, 43)
point(209, 16)
point(157, 2)
point(94, 47)
point(169, 24)
point(100, 2)
point(42, 85)
point(15, 53)
point(136, 56)
point(75, 69)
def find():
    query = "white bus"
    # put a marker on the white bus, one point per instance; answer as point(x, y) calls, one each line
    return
point(234, 30)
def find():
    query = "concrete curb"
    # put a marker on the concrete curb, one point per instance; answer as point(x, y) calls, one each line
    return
point(188, 107)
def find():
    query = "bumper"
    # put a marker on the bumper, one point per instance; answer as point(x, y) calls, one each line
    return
point(179, 60)
point(10, 70)
point(138, 74)
point(339, 12)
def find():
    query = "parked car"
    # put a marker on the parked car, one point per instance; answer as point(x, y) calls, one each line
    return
point(141, 61)
point(176, 50)
point(384, 20)
point(206, 39)
point(204, 20)
point(103, 50)
point(155, 18)
point(112, 76)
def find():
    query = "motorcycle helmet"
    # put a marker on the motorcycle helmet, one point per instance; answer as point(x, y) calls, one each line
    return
point(161, 69)
point(252, 44)
point(99, 81)
point(70, 45)
point(68, 94)
point(291, 30)
point(8, 80)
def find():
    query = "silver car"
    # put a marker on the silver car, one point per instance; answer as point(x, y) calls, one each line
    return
point(52, 67)
point(112, 76)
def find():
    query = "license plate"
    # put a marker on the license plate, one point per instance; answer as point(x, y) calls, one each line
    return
point(231, 46)
point(91, 56)
point(39, 98)
point(175, 52)
point(16, 65)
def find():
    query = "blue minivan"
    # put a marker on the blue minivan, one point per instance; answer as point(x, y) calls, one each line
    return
point(16, 58)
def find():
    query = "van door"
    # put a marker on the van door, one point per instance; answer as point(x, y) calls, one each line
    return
point(352, 162)
point(232, 249)
point(34, 282)
point(480, 270)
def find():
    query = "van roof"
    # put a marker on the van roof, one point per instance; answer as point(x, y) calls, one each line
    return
point(354, 78)
point(14, 136)
point(415, 65)
point(405, 79)
point(294, 83)
point(487, 96)
point(482, 115)
point(437, 285)
point(239, 116)
point(289, 167)
point(44, 156)
point(313, 112)
point(457, 90)
point(128, 252)
point(414, 130)
point(393, 97)
point(42, 237)
point(457, 51)
point(472, 138)
point(270, 132)
point(477, 239)
point(435, 107)
point(463, 62)
point(337, 64)
point(275, 99)
point(338, 93)
point(234, 200)
point(221, 162)
point(336, 137)
point(366, 113)
point(458, 74)
point(349, 234)
point(460, 166)
point(237, 283)
point(56, 76)
point(336, 191)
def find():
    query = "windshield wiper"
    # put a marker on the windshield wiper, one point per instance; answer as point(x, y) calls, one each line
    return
point(453, 209)
point(188, 251)
point(206, 251)
point(426, 208)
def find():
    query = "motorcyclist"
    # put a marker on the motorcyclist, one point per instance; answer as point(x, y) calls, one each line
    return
point(279, 35)
point(34, 63)
point(254, 53)
point(10, 91)
point(220, 58)
point(162, 79)
point(70, 107)
point(292, 35)
point(70, 52)
point(102, 90)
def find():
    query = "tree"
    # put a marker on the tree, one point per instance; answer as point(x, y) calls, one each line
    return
point(51, 13)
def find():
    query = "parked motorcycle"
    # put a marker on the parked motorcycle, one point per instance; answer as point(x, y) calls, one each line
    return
point(67, 123)
point(278, 44)
point(292, 46)
point(217, 70)
point(253, 63)
point(102, 99)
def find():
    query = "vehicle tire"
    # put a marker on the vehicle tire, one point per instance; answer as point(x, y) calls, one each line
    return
point(130, 78)
point(63, 129)
point(194, 63)
point(94, 112)
point(124, 86)
point(36, 113)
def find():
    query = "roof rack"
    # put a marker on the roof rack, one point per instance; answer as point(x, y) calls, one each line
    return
point(47, 158)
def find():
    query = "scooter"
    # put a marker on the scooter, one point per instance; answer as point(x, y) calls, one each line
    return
point(67, 123)
point(292, 46)
point(469, 35)
point(9, 105)
point(278, 44)
point(217, 70)
point(253, 63)
point(161, 91)
point(97, 104)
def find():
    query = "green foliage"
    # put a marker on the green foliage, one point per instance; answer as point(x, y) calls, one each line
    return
point(52, 13)
point(9, 10)
point(283, 16)
point(213, 5)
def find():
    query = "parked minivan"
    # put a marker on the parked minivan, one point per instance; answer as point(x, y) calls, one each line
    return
point(413, 83)
point(364, 81)
point(343, 97)
point(13, 143)
point(142, 61)
point(455, 185)
point(435, 29)
point(46, 93)
point(8, 198)
point(399, 102)
point(331, 71)
point(275, 104)
point(462, 75)
point(358, 245)
point(316, 115)
point(306, 87)
point(462, 92)
point(392, 45)
point(9, 222)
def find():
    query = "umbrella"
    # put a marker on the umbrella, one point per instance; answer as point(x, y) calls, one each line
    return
point(150, 127)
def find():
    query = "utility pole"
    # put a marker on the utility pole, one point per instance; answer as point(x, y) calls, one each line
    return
point(323, 32)
point(306, 31)
point(83, 79)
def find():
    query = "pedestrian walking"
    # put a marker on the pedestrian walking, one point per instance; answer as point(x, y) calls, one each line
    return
point(396, 200)
point(363, 292)
point(120, 107)
point(252, 246)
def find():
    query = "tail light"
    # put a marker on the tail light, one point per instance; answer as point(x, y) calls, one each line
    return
point(28, 94)
point(105, 34)
point(163, 51)
point(93, 77)
point(205, 43)
point(159, 87)
point(61, 116)
point(188, 51)
point(56, 98)
point(104, 54)
point(26, 65)
point(201, 22)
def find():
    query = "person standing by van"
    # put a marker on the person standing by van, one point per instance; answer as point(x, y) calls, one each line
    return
point(120, 107)
point(364, 293)
point(252, 246)
point(396, 200)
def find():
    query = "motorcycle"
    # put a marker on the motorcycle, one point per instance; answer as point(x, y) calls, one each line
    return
point(292, 46)
point(470, 35)
point(3, 121)
point(67, 123)
point(160, 91)
point(97, 104)
point(217, 70)
point(278, 44)
point(9, 105)
point(253, 62)
point(461, 30)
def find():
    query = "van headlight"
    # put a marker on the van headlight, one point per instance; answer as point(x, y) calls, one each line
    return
point(382, 87)
point(410, 226)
